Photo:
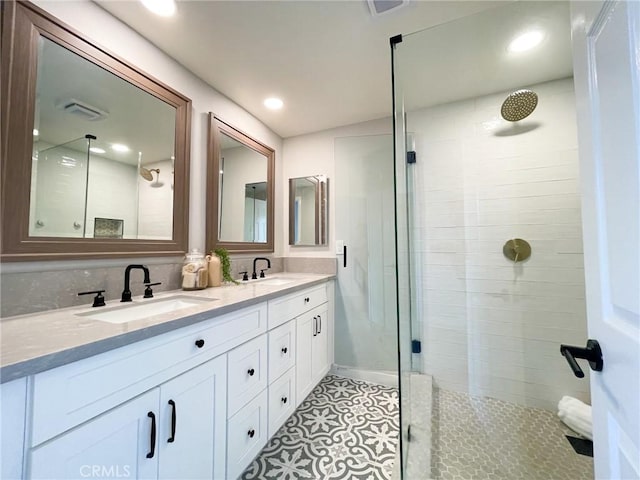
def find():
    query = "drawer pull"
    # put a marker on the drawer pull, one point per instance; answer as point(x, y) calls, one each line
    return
point(251, 371)
point(152, 416)
point(306, 299)
point(315, 326)
point(284, 399)
point(251, 433)
point(172, 438)
point(284, 350)
point(319, 324)
point(200, 343)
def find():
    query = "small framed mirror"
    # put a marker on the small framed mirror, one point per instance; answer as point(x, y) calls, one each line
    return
point(308, 207)
point(240, 172)
point(95, 161)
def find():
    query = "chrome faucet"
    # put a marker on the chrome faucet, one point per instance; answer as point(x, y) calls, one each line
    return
point(254, 275)
point(126, 293)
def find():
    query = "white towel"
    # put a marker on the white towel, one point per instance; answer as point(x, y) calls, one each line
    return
point(576, 415)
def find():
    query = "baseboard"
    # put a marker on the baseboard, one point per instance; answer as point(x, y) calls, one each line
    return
point(389, 379)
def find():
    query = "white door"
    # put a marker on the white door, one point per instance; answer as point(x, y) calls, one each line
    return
point(606, 47)
point(122, 443)
point(320, 346)
point(304, 336)
point(193, 414)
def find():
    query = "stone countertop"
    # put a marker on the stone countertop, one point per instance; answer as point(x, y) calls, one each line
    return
point(40, 341)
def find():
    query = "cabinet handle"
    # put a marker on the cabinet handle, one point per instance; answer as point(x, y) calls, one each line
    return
point(315, 326)
point(306, 299)
point(284, 350)
point(319, 324)
point(284, 399)
point(251, 433)
point(173, 422)
point(152, 416)
point(251, 371)
point(200, 343)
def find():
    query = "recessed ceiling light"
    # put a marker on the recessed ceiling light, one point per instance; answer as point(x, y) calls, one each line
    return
point(526, 41)
point(118, 147)
point(273, 103)
point(164, 8)
point(35, 132)
point(97, 150)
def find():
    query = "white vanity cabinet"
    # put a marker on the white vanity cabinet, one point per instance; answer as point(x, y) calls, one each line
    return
point(312, 360)
point(172, 431)
point(197, 402)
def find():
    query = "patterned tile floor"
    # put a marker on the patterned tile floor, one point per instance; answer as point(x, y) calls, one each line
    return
point(345, 429)
point(479, 438)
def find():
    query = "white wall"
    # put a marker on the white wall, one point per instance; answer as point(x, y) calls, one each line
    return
point(493, 327)
point(313, 154)
point(155, 203)
point(112, 34)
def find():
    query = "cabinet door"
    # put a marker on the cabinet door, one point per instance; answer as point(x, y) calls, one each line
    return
point(192, 428)
point(117, 444)
point(304, 335)
point(320, 345)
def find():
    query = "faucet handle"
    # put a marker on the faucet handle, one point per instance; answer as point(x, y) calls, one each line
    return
point(262, 273)
point(245, 276)
point(148, 293)
point(98, 300)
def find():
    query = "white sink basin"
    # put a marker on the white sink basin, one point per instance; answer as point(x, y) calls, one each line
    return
point(144, 309)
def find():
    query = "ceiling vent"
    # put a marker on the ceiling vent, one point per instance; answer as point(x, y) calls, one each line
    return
point(82, 110)
point(379, 7)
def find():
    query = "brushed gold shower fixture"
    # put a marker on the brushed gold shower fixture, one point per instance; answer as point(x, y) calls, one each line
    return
point(517, 250)
point(519, 105)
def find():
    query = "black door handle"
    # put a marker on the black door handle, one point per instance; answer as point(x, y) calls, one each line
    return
point(344, 256)
point(251, 433)
point(152, 416)
point(283, 399)
point(251, 371)
point(200, 343)
point(593, 353)
point(172, 438)
point(284, 350)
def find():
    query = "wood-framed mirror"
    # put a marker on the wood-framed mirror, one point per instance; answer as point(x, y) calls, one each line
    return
point(95, 152)
point(308, 210)
point(240, 190)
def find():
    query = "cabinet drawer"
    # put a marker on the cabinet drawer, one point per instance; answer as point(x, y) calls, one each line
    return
point(282, 401)
point(285, 308)
point(282, 349)
point(72, 394)
point(247, 374)
point(246, 435)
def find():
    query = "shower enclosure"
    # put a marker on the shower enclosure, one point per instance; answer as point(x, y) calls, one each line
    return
point(484, 171)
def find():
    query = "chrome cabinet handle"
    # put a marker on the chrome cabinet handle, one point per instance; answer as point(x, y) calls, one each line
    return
point(320, 324)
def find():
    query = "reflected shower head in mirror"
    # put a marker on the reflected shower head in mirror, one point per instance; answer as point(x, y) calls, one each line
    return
point(148, 176)
point(519, 105)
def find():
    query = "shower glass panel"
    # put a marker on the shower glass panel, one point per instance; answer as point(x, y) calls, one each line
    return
point(365, 313)
point(480, 401)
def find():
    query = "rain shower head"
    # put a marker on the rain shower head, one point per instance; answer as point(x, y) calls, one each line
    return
point(519, 105)
point(148, 176)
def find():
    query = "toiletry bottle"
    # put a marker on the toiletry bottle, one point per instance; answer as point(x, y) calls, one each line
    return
point(215, 270)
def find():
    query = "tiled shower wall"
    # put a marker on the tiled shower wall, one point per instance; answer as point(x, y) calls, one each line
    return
point(492, 327)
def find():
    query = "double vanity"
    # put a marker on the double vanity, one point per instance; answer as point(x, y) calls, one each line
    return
point(183, 385)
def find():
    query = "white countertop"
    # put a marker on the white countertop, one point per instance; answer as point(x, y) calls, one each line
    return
point(40, 341)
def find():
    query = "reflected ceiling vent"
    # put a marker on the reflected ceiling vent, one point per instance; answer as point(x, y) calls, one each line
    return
point(82, 110)
point(379, 7)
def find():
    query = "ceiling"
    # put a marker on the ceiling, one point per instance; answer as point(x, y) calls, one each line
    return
point(330, 60)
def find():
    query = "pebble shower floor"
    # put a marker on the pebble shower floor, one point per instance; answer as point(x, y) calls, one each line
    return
point(344, 429)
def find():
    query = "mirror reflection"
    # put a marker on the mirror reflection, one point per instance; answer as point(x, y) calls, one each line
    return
point(308, 210)
point(103, 153)
point(242, 193)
